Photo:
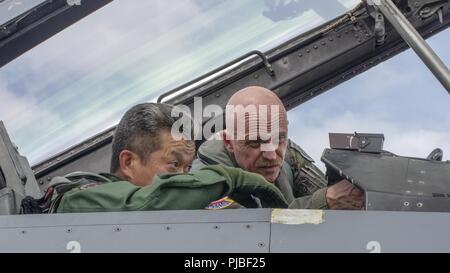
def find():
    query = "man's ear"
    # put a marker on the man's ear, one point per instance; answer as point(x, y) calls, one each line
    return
point(226, 141)
point(127, 160)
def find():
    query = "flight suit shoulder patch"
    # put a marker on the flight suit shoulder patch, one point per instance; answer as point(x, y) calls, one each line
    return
point(220, 204)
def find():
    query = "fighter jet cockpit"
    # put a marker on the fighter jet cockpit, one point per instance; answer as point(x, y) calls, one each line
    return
point(365, 84)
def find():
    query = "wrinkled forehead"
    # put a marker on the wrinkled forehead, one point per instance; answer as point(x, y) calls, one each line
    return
point(256, 119)
point(259, 113)
point(177, 147)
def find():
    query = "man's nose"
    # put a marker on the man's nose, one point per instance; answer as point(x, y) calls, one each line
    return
point(269, 155)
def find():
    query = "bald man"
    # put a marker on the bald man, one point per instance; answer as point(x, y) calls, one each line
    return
point(256, 140)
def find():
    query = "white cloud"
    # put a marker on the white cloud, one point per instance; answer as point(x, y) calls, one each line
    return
point(24, 119)
point(349, 3)
point(19, 112)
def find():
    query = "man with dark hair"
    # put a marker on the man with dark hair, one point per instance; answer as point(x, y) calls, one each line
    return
point(143, 146)
point(156, 162)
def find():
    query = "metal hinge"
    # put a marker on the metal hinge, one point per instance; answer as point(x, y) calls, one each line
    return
point(379, 29)
point(431, 9)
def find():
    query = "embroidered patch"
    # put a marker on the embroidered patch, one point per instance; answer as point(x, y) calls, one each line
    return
point(220, 204)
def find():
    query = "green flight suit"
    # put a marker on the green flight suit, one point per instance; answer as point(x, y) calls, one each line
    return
point(301, 182)
point(192, 190)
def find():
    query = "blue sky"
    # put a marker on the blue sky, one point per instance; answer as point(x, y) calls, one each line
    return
point(399, 98)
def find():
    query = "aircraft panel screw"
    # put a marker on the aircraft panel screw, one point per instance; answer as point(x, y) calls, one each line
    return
point(69, 230)
point(248, 226)
point(167, 228)
point(117, 229)
point(216, 227)
point(261, 244)
point(419, 205)
point(406, 204)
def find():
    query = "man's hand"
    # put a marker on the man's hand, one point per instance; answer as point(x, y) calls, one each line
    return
point(345, 196)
